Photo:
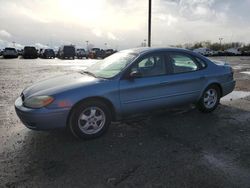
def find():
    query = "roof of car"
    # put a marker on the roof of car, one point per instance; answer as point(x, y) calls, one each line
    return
point(153, 49)
point(29, 47)
point(8, 48)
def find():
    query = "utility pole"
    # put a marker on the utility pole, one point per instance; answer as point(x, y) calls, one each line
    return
point(149, 23)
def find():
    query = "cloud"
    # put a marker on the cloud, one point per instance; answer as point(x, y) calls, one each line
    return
point(97, 32)
point(39, 45)
point(5, 43)
point(167, 18)
point(5, 34)
point(111, 36)
point(31, 15)
point(122, 23)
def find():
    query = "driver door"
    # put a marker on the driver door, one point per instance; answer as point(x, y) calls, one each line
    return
point(147, 91)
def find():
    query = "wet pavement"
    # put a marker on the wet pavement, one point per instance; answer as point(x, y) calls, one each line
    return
point(173, 148)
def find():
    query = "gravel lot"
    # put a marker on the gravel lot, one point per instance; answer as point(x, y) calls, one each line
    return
point(176, 148)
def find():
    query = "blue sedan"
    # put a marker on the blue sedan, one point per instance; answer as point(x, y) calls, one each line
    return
point(128, 82)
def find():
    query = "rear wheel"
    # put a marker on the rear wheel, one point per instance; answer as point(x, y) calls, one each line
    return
point(210, 99)
point(89, 119)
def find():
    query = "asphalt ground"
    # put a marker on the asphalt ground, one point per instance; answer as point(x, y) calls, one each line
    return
point(172, 148)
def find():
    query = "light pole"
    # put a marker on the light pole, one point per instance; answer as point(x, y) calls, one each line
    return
point(220, 39)
point(145, 43)
point(105, 45)
point(14, 44)
point(87, 44)
point(149, 23)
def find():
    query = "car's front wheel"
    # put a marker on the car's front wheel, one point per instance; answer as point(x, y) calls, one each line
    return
point(89, 119)
point(210, 99)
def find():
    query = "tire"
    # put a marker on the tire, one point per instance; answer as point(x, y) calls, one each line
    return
point(89, 119)
point(210, 99)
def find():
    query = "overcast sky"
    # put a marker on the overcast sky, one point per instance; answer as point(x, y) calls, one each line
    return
point(121, 23)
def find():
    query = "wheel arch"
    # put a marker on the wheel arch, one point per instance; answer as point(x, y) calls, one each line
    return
point(97, 98)
point(217, 84)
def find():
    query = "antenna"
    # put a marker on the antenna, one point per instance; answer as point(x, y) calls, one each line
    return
point(229, 43)
point(149, 23)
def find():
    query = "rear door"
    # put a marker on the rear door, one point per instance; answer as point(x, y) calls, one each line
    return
point(186, 78)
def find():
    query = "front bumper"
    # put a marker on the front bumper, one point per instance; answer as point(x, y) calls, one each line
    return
point(43, 118)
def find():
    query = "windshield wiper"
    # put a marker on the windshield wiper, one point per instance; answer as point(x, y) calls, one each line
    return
point(89, 73)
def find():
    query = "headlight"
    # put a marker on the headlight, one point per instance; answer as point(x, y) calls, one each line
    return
point(38, 101)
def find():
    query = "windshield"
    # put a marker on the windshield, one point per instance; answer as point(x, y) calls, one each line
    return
point(112, 65)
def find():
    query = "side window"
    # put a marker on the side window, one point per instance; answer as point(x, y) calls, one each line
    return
point(181, 63)
point(151, 66)
point(201, 62)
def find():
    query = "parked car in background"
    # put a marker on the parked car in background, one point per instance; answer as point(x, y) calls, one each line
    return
point(246, 53)
point(109, 52)
point(95, 53)
point(67, 52)
point(30, 52)
point(233, 51)
point(221, 53)
point(81, 53)
point(56, 53)
point(10, 53)
point(213, 53)
point(123, 84)
point(0, 52)
point(47, 54)
point(20, 52)
point(40, 52)
point(203, 51)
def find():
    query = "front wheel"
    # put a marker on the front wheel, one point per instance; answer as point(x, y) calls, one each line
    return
point(210, 99)
point(89, 119)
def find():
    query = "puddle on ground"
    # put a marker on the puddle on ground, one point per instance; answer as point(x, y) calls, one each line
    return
point(246, 72)
point(235, 95)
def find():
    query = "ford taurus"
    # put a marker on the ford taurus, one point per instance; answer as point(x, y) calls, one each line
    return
point(127, 82)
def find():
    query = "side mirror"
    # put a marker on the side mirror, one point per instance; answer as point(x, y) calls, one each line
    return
point(135, 74)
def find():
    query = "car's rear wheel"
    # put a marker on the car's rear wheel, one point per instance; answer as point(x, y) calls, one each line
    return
point(89, 119)
point(210, 99)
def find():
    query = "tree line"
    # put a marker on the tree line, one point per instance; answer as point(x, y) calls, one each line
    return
point(214, 46)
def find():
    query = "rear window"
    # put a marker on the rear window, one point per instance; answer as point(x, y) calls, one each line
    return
point(10, 49)
point(29, 48)
point(69, 48)
point(49, 51)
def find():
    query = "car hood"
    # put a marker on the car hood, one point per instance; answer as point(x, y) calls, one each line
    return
point(59, 84)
